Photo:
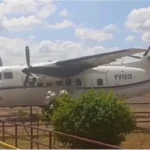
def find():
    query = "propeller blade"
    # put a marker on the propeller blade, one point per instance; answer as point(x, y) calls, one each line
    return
point(27, 55)
point(27, 70)
point(26, 81)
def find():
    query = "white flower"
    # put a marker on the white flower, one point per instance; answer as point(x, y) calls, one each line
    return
point(63, 92)
point(53, 94)
point(49, 92)
point(47, 100)
point(51, 107)
point(47, 97)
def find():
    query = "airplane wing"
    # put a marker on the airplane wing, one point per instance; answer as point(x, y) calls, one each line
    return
point(100, 59)
point(70, 67)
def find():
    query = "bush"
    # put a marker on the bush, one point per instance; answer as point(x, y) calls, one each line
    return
point(98, 116)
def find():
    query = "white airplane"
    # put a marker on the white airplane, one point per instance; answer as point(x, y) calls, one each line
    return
point(28, 85)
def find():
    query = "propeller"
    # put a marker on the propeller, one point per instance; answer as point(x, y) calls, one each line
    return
point(27, 70)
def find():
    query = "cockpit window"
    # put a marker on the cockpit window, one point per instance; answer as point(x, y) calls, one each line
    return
point(8, 75)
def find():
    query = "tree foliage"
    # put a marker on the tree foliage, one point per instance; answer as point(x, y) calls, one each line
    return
point(99, 116)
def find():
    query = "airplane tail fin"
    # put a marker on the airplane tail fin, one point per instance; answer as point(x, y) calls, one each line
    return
point(1, 62)
point(146, 53)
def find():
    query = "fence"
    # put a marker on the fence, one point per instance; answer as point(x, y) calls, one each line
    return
point(143, 116)
point(49, 139)
point(44, 138)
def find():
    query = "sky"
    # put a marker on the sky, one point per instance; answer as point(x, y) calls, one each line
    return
point(56, 30)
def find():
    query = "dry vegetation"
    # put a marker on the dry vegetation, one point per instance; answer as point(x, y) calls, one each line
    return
point(133, 141)
point(137, 140)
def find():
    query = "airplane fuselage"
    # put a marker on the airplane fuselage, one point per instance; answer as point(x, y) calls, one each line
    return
point(128, 80)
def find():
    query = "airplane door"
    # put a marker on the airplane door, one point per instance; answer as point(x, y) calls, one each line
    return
point(95, 79)
point(69, 84)
point(11, 78)
point(8, 78)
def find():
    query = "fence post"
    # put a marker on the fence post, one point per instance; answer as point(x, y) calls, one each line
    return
point(31, 129)
point(50, 139)
point(16, 135)
point(3, 126)
point(37, 135)
point(31, 138)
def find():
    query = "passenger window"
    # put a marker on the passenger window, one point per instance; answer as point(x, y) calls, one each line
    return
point(68, 82)
point(78, 82)
point(58, 83)
point(99, 82)
point(8, 75)
point(49, 84)
point(40, 84)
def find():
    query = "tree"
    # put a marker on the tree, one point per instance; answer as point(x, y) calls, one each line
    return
point(99, 116)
